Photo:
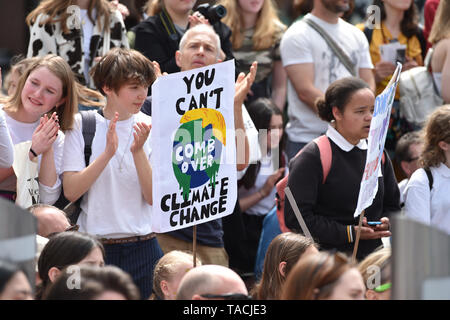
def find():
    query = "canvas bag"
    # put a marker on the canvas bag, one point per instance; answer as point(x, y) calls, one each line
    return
point(26, 171)
point(418, 93)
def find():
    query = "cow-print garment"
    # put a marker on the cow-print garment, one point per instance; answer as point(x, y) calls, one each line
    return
point(49, 38)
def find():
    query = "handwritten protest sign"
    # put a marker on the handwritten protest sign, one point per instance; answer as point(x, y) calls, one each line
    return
point(377, 138)
point(193, 131)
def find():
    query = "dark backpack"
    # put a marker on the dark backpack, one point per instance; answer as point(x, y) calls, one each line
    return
point(88, 125)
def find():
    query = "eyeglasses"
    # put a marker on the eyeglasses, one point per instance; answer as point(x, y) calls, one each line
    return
point(74, 227)
point(227, 296)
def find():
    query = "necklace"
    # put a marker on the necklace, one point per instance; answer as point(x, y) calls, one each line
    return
point(126, 146)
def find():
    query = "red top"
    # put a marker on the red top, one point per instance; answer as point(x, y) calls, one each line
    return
point(429, 13)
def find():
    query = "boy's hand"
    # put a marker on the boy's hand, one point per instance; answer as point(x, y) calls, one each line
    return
point(141, 134)
point(112, 141)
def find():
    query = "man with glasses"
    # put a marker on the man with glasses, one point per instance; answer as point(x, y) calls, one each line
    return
point(407, 153)
point(212, 282)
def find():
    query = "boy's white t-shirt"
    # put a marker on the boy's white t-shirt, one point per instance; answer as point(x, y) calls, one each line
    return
point(302, 44)
point(20, 132)
point(114, 206)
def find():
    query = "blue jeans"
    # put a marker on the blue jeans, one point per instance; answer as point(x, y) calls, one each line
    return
point(138, 259)
point(270, 229)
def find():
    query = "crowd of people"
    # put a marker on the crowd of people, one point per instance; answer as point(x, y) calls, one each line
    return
point(308, 88)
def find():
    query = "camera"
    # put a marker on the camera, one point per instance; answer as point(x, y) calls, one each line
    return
point(212, 12)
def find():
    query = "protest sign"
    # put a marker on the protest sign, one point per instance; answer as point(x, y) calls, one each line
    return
point(377, 137)
point(193, 131)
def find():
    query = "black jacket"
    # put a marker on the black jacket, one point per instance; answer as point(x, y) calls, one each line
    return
point(160, 44)
point(328, 208)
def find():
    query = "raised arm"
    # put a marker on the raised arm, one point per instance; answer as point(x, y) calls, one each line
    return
point(243, 84)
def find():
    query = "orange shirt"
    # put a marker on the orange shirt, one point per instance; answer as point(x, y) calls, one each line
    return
point(383, 36)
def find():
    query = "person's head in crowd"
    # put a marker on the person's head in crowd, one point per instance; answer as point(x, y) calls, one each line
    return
point(268, 120)
point(336, 7)
point(407, 152)
point(168, 273)
point(348, 104)
point(266, 25)
point(123, 76)
point(436, 148)
point(376, 272)
point(212, 282)
point(14, 284)
point(408, 23)
point(324, 276)
point(18, 67)
point(173, 7)
point(199, 47)
point(50, 219)
point(282, 254)
point(94, 283)
point(66, 249)
point(48, 86)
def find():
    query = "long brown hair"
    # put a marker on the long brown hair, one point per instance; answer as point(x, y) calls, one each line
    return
point(267, 25)
point(54, 8)
point(287, 247)
point(441, 25)
point(436, 129)
point(315, 276)
point(71, 90)
point(153, 7)
point(409, 24)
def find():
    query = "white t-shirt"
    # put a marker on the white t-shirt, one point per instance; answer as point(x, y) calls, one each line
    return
point(6, 146)
point(302, 44)
point(262, 207)
point(20, 132)
point(431, 207)
point(402, 187)
point(114, 206)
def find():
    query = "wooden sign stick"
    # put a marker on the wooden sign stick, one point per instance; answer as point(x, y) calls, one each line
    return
point(294, 206)
point(194, 244)
point(358, 234)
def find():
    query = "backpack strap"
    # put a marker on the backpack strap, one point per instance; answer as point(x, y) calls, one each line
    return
point(323, 143)
point(88, 130)
point(430, 177)
point(423, 42)
point(368, 33)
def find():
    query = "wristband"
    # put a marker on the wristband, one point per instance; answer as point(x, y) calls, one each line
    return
point(34, 153)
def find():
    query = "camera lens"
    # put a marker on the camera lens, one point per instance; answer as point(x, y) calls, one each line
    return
point(221, 11)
